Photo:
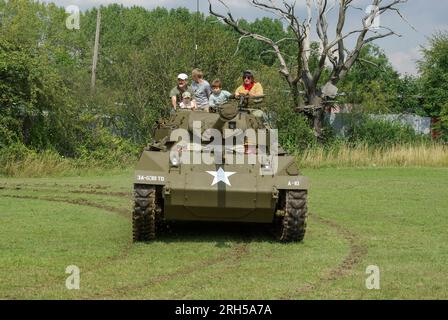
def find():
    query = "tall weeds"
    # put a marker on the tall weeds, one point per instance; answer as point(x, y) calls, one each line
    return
point(421, 155)
point(50, 163)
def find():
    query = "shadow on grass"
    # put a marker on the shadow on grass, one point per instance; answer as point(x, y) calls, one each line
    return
point(220, 232)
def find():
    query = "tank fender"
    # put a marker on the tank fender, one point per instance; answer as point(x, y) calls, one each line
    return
point(152, 178)
point(152, 168)
point(291, 182)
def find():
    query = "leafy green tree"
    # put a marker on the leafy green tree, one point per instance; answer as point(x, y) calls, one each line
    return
point(372, 82)
point(434, 77)
point(308, 94)
point(410, 96)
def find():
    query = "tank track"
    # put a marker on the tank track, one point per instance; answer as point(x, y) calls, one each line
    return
point(144, 214)
point(292, 226)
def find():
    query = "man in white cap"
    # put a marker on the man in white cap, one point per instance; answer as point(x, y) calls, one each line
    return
point(176, 92)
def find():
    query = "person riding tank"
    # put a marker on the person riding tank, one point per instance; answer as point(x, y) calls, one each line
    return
point(249, 87)
point(176, 94)
point(201, 89)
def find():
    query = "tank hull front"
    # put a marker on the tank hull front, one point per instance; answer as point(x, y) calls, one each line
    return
point(225, 192)
point(196, 195)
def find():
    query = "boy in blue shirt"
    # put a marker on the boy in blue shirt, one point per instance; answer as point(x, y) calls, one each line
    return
point(218, 95)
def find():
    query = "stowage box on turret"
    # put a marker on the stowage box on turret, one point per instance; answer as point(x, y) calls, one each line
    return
point(220, 166)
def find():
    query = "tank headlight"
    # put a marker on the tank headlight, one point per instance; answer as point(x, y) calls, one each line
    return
point(266, 166)
point(265, 162)
point(174, 161)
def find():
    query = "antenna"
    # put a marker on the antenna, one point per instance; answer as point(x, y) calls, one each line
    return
point(196, 35)
point(95, 49)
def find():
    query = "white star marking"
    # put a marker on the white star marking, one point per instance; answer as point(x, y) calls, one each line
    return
point(221, 175)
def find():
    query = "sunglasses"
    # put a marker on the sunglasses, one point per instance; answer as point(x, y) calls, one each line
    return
point(247, 77)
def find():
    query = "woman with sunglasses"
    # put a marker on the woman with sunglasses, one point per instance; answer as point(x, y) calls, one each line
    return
point(249, 86)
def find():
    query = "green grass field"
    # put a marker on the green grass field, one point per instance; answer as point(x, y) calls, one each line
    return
point(396, 219)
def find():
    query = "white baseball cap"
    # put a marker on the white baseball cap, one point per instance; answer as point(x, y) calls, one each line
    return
point(182, 76)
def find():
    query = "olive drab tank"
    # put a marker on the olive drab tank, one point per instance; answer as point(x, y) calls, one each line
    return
point(224, 165)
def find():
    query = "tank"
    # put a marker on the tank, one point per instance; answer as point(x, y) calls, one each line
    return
point(224, 165)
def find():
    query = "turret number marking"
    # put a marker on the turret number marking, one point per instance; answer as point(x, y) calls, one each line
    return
point(151, 178)
point(294, 183)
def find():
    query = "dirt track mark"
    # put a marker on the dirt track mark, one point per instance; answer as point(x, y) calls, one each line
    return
point(103, 193)
point(57, 185)
point(57, 280)
point(123, 254)
point(81, 202)
point(90, 191)
point(88, 203)
point(355, 255)
point(237, 252)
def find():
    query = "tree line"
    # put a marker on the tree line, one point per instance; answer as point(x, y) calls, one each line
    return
point(45, 71)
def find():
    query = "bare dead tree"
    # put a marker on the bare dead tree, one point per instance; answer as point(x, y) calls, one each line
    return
point(333, 53)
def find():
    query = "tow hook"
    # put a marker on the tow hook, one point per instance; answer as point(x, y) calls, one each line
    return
point(166, 190)
point(275, 193)
point(280, 213)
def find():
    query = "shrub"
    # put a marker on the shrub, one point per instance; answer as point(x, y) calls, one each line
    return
point(106, 150)
point(380, 133)
point(294, 131)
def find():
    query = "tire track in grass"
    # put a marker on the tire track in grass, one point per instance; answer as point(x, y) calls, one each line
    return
point(82, 202)
point(56, 280)
point(236, 253)
point(356, 252)
point(254, 233)
point(120, 194)
point(56, 185)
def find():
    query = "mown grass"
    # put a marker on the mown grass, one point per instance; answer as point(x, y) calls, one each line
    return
point(395, 218)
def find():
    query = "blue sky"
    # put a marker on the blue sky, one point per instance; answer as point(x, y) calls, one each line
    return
point(426, 16)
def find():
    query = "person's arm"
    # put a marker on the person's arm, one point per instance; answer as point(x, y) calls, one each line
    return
point(193, 104)
point(173, 96)
point(227, 94)
point(174, 102)
point(211, 101)
point(237, 91)
point(261, 90)
point(208, 90)
point(258, 89)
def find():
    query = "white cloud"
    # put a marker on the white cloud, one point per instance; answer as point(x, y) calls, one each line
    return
point(233, 4)
point(405, 61)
